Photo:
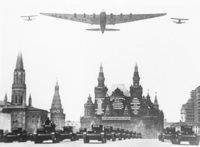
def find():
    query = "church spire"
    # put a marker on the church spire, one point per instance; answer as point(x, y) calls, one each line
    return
point(136, 77)
point(101, 78)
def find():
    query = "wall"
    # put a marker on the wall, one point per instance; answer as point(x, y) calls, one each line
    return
point(5, 121)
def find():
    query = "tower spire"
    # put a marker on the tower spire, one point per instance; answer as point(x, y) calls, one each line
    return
point(30, 101)
point(19, 64)
point(156, 100)
point(56, 103)
point(101, 78)
point(5, 100)
point(19, 86)
point(136, 77)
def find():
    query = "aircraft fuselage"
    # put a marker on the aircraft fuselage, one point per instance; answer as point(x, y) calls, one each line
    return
point(103, 21)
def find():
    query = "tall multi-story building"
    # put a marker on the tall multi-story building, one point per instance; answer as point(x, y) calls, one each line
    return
point(190, 111)
point(23, 116)
point(56, 111)
point(187, 110)
point(121, 108)
point(197, 105)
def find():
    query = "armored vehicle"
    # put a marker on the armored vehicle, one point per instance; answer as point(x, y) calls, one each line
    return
point(124, 134)
point(1, 136)
point(15, 135)
point(128, 134)
point(95, 133)
point(118, 133)
point(79, 134)
point(67, 133)
point(138, 135)
point(110, 134)
point(185, 134)
point(166, 134)
point(47, 132)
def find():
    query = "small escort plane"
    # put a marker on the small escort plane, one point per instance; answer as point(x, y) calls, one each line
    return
point(179, 20)
point(29, 17)
point(103, 19)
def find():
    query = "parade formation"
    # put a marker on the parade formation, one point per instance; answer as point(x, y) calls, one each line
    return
point(47, 132)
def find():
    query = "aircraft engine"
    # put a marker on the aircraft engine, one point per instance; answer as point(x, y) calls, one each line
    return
point(94, 15)
point(75, 15)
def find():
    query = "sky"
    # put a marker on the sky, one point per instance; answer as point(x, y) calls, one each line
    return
point(167, 54)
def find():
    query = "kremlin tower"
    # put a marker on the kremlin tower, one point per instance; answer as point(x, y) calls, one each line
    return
point(56, 111)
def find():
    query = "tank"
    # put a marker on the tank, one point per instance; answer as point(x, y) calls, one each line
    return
point(67, 133)
point(17, 134)
point(118, 133)
point(185, 134)
point(166, 134)
point(79, 134)
point(110, 134)
point(95, 133)
point(47, 132)
point(1, 136)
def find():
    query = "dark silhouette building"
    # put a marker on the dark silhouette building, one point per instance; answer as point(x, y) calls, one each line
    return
point(23, 116)
point(121, 108)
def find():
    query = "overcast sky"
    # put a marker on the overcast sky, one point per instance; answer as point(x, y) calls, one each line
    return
point(53, 49)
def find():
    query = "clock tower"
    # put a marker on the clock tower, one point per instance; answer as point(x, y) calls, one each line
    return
point(56, 111)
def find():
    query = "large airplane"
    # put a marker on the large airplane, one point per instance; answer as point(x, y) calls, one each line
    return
point(179, 20)
point(29, 17)
point(103, 19)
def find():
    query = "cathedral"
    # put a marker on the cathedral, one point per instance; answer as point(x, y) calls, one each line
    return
point(124, 109)
point(56, 111)
point(23, 116)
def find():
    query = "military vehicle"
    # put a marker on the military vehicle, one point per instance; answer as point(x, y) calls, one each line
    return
point(79, 134)
point(110, 134)
point(1, 135)
point(17, 134)
point(67, 133)
point(138, 135)
point(118, 133)
point(124, 134)
point(185, 134)
point(128, 134)
point(166, 134)
point(95, 133)
point(47, 132)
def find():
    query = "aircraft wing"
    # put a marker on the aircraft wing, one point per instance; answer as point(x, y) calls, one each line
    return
point(84, 18)
point(123, 18)
point(180, 18)
point(29, 16)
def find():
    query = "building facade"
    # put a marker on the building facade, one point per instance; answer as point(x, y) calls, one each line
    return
point(121, 108)
point(56, 111)
point(23, 116)
point(190, 111)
